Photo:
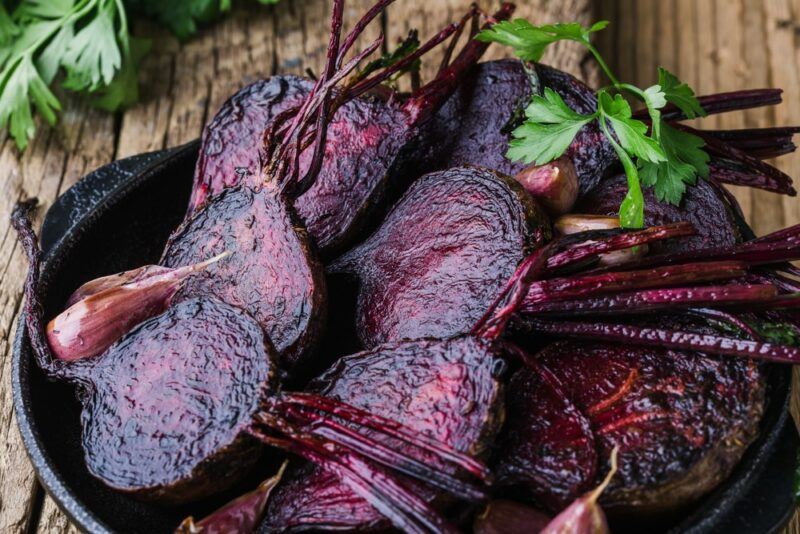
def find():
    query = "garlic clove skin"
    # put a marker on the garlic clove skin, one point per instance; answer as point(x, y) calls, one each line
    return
point(554, 185)
point(105, 309)
point(509, 517)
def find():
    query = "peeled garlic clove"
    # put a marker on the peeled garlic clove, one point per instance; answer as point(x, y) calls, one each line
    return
point(240, 515)
point(574, 223)
point(509, 517)
point(584, 515)
point(103, 310)
point(554, 185)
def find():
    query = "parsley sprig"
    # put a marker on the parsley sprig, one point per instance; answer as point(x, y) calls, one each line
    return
point(88, 42)
point(661, 156)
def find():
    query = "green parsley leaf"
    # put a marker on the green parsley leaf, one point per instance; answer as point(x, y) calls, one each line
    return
point(20, 84)
point(548, 131)
point(680, 94)
point(8, 29)
point(93, 57)
point(630, 132)
point(530, 42)
point(685, 160)
point(123, 91)
point(181, 17)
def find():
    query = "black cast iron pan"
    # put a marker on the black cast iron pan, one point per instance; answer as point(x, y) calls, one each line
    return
point(119, 217)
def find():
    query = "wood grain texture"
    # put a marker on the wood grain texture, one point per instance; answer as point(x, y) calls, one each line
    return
point(719, 45)
point(182, 86)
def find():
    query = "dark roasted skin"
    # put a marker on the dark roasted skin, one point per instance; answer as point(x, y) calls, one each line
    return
point(368, 152)
point(475, 124)
point(448, 390)
point(702, 205)
point(195, 375)
point(547, 450)
point(229, 148)
point(272, 272)
point(681, 420)
point(363, 142)
point(442, 255)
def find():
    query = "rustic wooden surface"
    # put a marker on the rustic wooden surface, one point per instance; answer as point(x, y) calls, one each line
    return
point(714, 45)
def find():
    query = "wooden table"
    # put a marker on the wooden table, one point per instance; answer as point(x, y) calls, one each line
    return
point(714, 45)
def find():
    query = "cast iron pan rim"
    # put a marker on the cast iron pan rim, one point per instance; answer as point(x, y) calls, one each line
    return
point(54, 484)
point(50, 479)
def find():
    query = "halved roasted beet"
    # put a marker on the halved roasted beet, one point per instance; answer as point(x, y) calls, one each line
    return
point(547, 449)
point(367, 153)
point(681, 420)
point(272, 270)
point(475, 124)
point(702, 205)
point(166, 410)
point(448, 390)
point(442, 255)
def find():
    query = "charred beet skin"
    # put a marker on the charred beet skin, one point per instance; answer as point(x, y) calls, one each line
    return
point(367, 153)
point(547, 450)
point(447, 390)
point(475, 124)
point(194, 375)
point(681, 420)
point(442, 255)
point(272, 271)
point(702, 205)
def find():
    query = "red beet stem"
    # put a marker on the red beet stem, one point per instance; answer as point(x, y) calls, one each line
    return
point(365, 85)
point(387, 456)
point(659, 300)
point(721, 149)
point(401, 506)
point(734, 173)
point(778, 235)
point(613, 282)
point(359, 28)
point(494, 321)
point(448, 53)
point(726, 317)
point(619, 240)
point(762, 143)
point(33, 311)
point(670, 339)
point(427, 100)
point(390, 428)
point(722, 103)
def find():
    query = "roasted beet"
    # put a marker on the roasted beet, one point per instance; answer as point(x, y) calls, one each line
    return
point(194, 375)
point(702, 205)
point(367, 153)
point(547, 451)
point(475, 124)
point(272, 271)
point(681, 420)
point(447, 390)
point(442, 255)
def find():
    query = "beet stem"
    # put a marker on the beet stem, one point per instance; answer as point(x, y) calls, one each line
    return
point(726, 317)
point(427, 100)
point(397, 503)
point(391, 428)
point(670, 339)
point(33, 313)
point(448, 53)
point(722, 103)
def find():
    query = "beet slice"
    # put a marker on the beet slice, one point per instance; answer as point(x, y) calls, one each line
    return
point(681, 420)
point(272, 271)
point(702, 206)
point(367, 153)
point(194, 375)
point(547, 451)
point(442, 255)
point(448, 390)
point(475, 124)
